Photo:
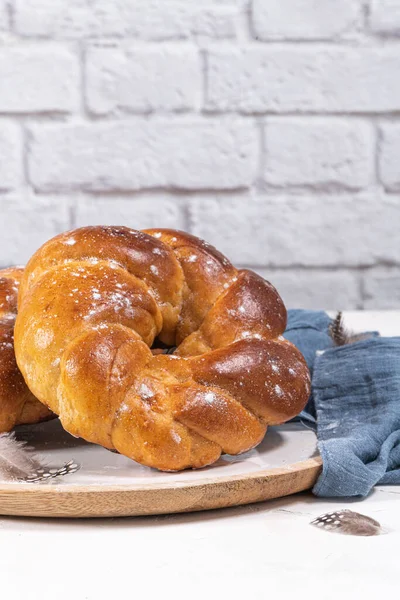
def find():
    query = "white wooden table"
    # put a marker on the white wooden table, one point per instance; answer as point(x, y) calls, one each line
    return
point(245, 552)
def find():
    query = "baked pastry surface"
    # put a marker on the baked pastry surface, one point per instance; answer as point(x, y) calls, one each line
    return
point(18, 406)
point(95, 301)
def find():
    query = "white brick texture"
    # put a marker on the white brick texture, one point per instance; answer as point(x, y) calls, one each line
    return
point(3, 15)
point(304, 19)
point(389, 163)
point(301, 231)
point(331, 290)
point(132, 80)
point(382, 288)
point(271, 79)
point(29, 223)
point(385, 16)
point(37, 79)
point(321, 153)
point(10, 156)
point(141, 154)
point(138, 213)
point(269, 127)
point(143, 19)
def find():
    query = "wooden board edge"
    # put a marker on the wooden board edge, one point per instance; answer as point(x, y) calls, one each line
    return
point(156, 499)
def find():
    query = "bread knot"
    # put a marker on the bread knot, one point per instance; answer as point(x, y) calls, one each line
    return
point(96, 301)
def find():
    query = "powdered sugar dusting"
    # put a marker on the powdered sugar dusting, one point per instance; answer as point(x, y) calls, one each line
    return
point(154, 269)
point(210, 397)
point(113, 264)
point(176, 437)
point(71, 367)
point(43, 338)
point(145, 392)
point(101, 326)
point(6, 345)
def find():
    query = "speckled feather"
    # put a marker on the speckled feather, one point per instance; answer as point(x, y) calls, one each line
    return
point(347, 522)
point(19, 463)
point(342, 336)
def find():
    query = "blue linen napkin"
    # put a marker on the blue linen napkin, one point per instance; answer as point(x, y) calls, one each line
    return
point(309, 331)
point(354, 406)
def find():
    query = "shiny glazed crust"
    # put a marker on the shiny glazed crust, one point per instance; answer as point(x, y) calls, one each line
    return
point(17, 404)
point(91, 305)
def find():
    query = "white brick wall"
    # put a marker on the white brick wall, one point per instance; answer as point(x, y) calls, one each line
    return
point(269, 127)
point(38, 78)
point(327, 152)
point(143, 80)
point(318, 79)
point(305, 19)
point(385, 16)
point(316, 288)
point(389, 165)
point(142, 19)
point(306, 231)
point(3, 15)
point(382, 285)
point(10, 155)
point(139, 154)
point(28, 222)
point(139, 212)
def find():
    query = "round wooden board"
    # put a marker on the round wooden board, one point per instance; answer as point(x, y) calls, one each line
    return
point(110, 485)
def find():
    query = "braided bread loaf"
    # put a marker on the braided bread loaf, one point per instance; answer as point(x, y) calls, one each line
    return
point(93, 302)
point(17, 405)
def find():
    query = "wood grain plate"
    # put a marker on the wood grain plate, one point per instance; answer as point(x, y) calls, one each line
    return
point(110, 485)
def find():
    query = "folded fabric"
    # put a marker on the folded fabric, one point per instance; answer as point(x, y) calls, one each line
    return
point(355, 406)
point(309, 331)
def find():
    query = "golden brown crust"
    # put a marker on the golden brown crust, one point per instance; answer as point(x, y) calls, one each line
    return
point(92, 303)
point(17, 405)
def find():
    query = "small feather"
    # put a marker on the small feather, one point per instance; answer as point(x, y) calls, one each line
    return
point(16, 458)
point(337, 330)
point(50, 473)
point(19, 463)
point(341, 335)
point(348, 523)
